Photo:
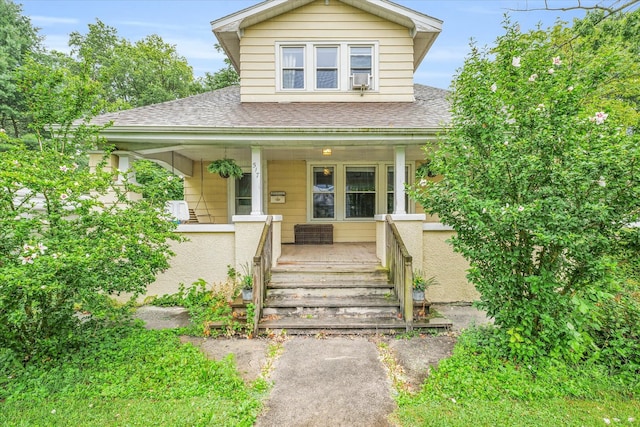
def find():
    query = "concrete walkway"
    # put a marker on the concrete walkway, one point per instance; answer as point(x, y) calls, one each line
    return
point(329, 381)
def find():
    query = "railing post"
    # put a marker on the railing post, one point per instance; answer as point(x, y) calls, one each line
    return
point(400, 271)
point(262, 271)
point(408, 294)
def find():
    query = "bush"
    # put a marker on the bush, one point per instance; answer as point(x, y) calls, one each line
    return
point(63, 247)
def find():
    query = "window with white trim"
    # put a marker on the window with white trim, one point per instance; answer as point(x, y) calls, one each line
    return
point(243, 194)
point(324, 66)
point(324, 195)
point(391, 189)
point(293, 67)
point(360, 192)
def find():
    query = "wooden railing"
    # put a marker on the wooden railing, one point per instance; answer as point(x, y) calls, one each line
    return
point(262, 271)
point(400, 265)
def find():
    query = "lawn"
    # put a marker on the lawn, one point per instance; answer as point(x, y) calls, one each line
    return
point(127, 376)
point(473, 388)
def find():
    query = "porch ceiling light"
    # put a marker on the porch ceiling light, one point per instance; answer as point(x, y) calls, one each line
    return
point(326, 151)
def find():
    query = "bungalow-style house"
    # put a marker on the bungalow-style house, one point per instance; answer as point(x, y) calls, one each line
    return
point(325, 115)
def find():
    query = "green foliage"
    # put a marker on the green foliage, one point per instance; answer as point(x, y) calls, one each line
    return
point(158, 183)
point(226, 168)
point(421, 283)
point(477, 386)
point(132, 74)
point(121, 366)
point(537, 184)
point(224, 77)
point(18, 39)
point(62, 246)
point(210, 310)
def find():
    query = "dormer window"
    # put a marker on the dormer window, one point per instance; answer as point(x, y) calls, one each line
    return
point(325, 66)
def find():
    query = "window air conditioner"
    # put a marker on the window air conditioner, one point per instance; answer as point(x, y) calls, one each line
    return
point(360, 81)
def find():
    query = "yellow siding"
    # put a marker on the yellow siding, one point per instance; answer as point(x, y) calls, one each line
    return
point(288, 176)
point(354, 232)
point(326, 23)
point(211, 204)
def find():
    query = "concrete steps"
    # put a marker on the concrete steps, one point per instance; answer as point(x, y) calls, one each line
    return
point(332, 298)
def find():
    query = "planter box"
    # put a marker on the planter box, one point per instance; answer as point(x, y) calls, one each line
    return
point(313, 234)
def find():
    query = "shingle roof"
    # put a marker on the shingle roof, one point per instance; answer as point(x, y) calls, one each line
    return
point(222, 109)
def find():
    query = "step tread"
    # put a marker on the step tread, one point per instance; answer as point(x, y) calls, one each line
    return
point(350, 323)
point(332, 323)
point(329, 285)
point(368, 301)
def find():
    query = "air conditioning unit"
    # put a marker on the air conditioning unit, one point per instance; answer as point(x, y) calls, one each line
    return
point(360, 81)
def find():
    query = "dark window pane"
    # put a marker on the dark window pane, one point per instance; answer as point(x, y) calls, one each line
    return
point(360, 205)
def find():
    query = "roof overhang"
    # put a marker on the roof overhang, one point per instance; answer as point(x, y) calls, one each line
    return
point(423, 28)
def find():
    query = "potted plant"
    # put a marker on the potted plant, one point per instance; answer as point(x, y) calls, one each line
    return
point(421, 284)
point(246, 283)
point(225, 168)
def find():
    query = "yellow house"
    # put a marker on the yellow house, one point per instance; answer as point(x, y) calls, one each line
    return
point(325, 114)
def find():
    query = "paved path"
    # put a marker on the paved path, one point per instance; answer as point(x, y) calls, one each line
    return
point(328, 382)
point(337, 381)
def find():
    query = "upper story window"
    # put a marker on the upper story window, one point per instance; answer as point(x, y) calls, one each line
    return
point(327, 67)
point(324, 66)
point(293, 67)
point(361, 59)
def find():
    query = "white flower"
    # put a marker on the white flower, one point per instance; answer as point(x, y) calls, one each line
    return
point(606, 420)
point(602, 182)
point(423, 183)
point(54, 256)
point(64, 196)
point(64, 168)
point(16, 163)
point(570, 88)
point(551, 71)
point(520, 208)
point(484, 210)
point(556, 60)
point(631, 419)
point(453, 400)
point(515, 61)
point(599, 118)
point(53, 411)
point(43, 287)
point(494, 87)
point(42, 248)
point(533, 77)
point(506, 143)
point(540, 107)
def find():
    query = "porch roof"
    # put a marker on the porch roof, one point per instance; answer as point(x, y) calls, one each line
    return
point(222, 109)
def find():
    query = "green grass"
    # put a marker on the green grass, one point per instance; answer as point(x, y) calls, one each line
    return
point(473, 388)
point(128, 376)
point(520, 413)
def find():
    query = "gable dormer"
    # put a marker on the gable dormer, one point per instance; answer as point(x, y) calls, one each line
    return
point(326, 50)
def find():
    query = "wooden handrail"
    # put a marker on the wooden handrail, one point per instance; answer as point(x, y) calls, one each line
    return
point(262, 271)
point(400, 265)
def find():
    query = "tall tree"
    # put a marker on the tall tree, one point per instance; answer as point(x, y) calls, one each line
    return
point(18, 39)
point(132, 74)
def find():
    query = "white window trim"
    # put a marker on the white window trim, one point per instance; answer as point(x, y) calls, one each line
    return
point(310, 66)
point(339, 183)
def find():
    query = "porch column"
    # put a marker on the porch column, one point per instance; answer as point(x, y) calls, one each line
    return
point(399, 206)
point(256, 181)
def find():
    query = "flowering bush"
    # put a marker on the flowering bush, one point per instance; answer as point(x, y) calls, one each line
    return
point(538, 184)
point(63, 248)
